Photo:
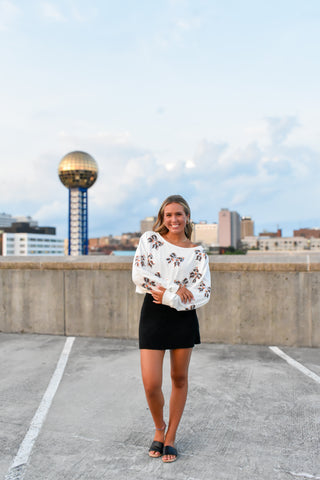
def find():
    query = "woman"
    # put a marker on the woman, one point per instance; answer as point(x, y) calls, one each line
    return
point(174, 274)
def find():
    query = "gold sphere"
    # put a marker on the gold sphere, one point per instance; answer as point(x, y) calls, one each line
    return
point(78, 169)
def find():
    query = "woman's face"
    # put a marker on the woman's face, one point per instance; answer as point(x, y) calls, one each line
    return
point(175, 218)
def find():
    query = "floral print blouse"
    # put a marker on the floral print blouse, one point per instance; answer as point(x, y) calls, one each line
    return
point(160, 263)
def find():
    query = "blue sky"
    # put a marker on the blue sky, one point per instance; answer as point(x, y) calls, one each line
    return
point(214, 100)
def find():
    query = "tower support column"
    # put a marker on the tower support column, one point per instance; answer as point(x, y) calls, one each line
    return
point(78, 221)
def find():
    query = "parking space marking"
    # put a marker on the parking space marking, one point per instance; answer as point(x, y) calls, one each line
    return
point(296, 364)
point(18, 466)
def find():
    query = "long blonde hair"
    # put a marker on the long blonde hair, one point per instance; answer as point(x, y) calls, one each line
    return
point(159, 226)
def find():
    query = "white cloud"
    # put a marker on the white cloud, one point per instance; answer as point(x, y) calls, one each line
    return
point(273, 180)
point(50, 210)
point(272, 130)
point(267, 178)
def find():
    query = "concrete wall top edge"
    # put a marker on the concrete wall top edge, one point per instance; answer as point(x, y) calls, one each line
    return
point(125, 263)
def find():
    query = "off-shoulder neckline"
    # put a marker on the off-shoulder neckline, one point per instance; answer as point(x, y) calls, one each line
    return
point(174, 245)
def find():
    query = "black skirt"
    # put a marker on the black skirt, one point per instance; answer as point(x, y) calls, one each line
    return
point(165, 328)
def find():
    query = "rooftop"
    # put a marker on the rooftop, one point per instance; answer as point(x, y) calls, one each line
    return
point(250, 414)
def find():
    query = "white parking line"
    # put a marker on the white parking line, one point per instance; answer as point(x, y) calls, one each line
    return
point(18, 466)
point(295, 364)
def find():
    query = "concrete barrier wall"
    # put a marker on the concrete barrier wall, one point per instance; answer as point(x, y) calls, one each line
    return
point(253, 301)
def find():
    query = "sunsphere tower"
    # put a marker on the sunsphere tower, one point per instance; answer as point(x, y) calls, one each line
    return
point(78, 171)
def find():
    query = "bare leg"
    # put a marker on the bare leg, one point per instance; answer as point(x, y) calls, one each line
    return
point(151, 368)
point(180, 359)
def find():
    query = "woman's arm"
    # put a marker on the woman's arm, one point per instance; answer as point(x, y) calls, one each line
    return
point(198, 285)
point(145, 272)
point(184, 294)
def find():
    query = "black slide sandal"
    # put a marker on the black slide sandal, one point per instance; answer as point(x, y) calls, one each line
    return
point(168, 450)
point(156, 447)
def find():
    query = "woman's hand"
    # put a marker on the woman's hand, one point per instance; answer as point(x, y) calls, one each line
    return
point(158, 294)
point(185, 294)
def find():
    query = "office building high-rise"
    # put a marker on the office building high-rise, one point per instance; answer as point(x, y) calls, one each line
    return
point(235, 229)
point(247, 227)
point(229, 228)
point(224, 227)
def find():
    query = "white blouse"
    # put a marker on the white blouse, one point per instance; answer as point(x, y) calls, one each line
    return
point(158, 262)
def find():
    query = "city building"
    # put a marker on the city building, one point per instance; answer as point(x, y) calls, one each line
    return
point(106, 245)
point(6, 220)
point(307, 232)
point(314, 244)
point(25, 225)
point(103, 245)
point(235, 229)
point(224, 227)
point(147, 224)
point(25, 237)
point(229, 228)
point(277, 234)
point(281, 244)
point(102, 242)
point(23, 219)
point(22, 244)
point(247, 227)
point(205, 233)
point(250, 242)
point(274, 244)
point(29, 227)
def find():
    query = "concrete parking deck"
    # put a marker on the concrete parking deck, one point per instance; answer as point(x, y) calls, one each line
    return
point(250, 415)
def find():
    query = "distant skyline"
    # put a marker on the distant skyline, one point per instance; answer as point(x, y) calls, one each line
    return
point(217, 101)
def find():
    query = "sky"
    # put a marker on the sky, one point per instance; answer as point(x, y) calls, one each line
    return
point(215, 100)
